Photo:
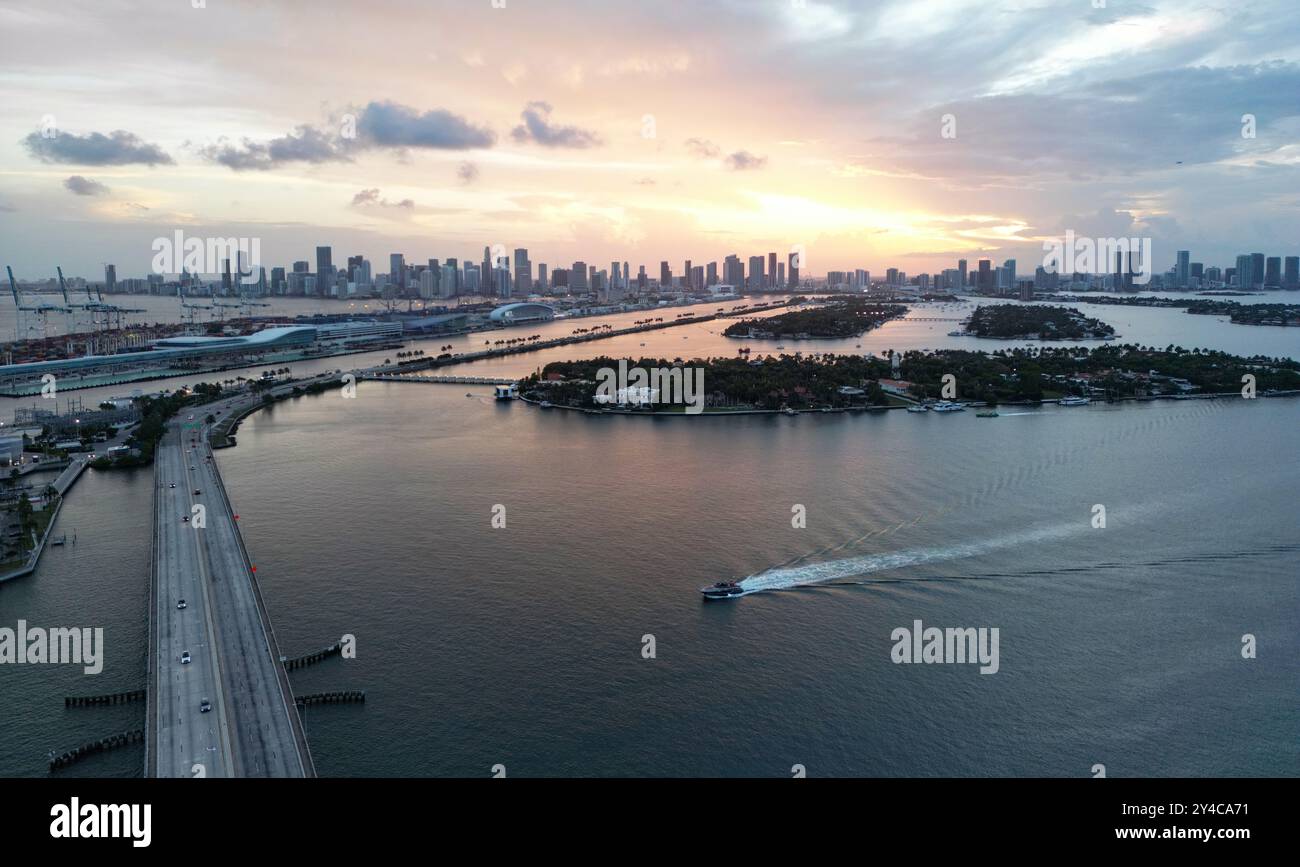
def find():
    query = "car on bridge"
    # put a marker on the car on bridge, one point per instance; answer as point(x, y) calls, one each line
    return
point(205, 706)
point(185, 658)
point(181, 604)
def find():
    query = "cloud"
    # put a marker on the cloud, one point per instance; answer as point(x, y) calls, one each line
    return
point(118, 148)
point(371, 197)
point(307, 144)
point(537, 127)
point(380, 124)
point(85, 186)
point(388, 124)
point(742, 161)
point(467, 172)
point(702, 148)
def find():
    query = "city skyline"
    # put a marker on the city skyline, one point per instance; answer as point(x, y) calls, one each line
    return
point(682, 137)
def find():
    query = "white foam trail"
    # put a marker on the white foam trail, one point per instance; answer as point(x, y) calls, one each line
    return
point(816, 573)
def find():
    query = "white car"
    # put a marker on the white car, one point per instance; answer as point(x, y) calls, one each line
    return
point(205, 706)
point(181, 604)
point(185, 658)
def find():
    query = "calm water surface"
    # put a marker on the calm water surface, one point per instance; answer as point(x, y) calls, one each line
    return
point(523, 645)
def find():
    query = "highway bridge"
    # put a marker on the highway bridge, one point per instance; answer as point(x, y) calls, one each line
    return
point(252, 727)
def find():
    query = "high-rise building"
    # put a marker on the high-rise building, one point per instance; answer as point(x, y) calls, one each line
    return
point(711, 274)
point(642, 279)
point(429, 283)
point(891, 276)
point(1009, 273)
point(1243, 271)
point(1256, 270)
point(542, 277)
point(686, 276)
point(780, 275)
point(110, 278)
point(523, 272)
point(771, 270)
point(665, 276)
point(985, 284)
point(1273, 272)
point(456, 280)
point(733, 272)
point(1291, 273)
point(397, 271)
point(486, 271)
point(793, 270)
point(1182, 270)
point(756, 279)
point(324, 269)
point(961, 270)
point(578, 277)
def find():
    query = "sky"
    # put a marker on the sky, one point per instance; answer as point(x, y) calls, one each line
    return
point(900, 133)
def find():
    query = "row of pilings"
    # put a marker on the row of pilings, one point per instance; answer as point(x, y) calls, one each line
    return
point(109, 698)
point(342, 697)
point(307, 659)
point(102, 745)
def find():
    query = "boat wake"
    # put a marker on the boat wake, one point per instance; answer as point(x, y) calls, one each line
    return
point(783, 578)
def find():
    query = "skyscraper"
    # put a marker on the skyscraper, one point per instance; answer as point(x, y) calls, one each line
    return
point(756, 279)
point(1273, 273)
point(665, 276)
point(1256, 270)
point(1182, 270)
point(793, 270)
point(110, 278)
point(1291, 273)
point(523, 272)
point(1243, 271)
point(397, 271)
point(961, 269)
point(324, 269)
point(578, 277)
point(771, 270)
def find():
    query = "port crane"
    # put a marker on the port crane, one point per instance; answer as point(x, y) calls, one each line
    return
point(23, 324)
point(93, 307)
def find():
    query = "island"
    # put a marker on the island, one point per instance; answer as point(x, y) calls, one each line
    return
point(843, 382)
point(1239, 314)
point(840, 318)
point(1035, 322)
